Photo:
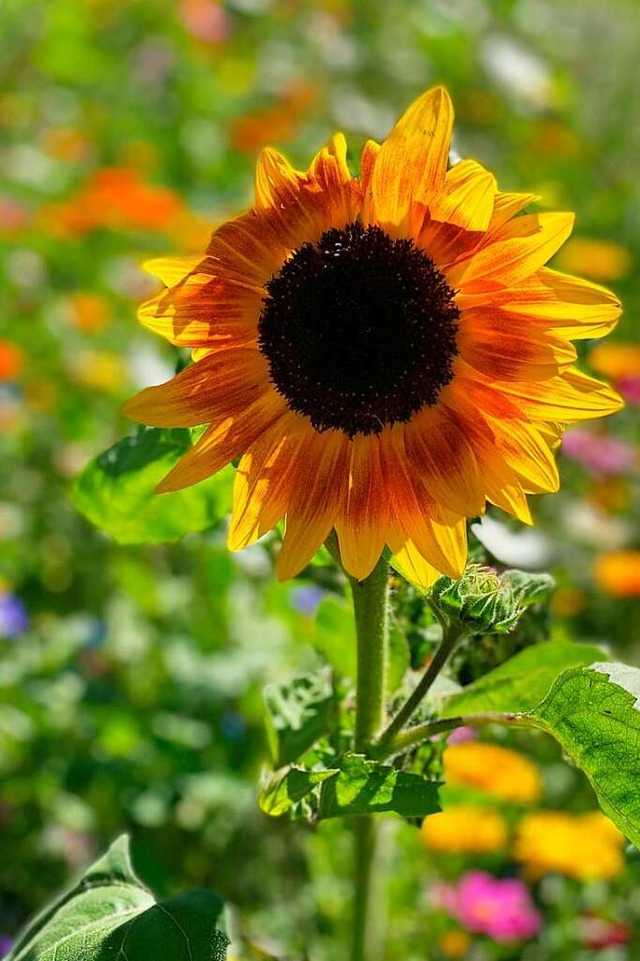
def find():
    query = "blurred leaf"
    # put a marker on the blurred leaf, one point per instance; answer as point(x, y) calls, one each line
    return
point(284, 791)
point(110, 908)
point(298, 714)
point(399, 658)
point(335, 636)
point(366, 787)
point(594, 713)
point(522, 681)
point(116, 491)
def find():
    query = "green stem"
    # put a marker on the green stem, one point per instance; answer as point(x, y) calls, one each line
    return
point(421, 732)
point(453, 632)
point(370, 600)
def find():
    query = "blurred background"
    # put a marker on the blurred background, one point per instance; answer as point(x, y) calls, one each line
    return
point(130, 675)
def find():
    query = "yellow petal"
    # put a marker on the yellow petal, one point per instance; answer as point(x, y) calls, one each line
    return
point(410, 563)
point(223, 442)
point(320, 489)
point(412, 162)
point(572, 396)
point(521, 247)
point(466, 199)
point(362, 524)
point(175, 270)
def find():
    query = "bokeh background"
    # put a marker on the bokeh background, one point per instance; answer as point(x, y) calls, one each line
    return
point(130, 676)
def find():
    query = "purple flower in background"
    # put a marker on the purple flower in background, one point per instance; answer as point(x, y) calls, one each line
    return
point(305, 598)
point(14, 619)
point(6, 944)
point(599, 453)
point(501, 909)
point(461, 735)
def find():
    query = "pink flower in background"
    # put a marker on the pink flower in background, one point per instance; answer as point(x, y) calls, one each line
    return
point(461, 735)
point(501, 909)
point(629, 387)
point(600, 453)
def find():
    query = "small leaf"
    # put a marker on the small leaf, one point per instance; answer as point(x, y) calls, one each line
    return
point(522, 681)
point(299, 714)
point(362, 786)
point(116, 491)
point(284, 790)
point(594, 713)
point(334, 636)
point(111, 914)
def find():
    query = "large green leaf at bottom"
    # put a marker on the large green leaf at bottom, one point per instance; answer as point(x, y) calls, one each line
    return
point(110, 914)
point(594, 713)
point(116, 491)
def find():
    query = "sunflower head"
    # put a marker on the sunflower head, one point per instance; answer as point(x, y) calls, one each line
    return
point(384, 354)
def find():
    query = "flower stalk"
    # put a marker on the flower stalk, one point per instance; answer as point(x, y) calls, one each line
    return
point(370, 599)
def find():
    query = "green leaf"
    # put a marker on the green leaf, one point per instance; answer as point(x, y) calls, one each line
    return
point(335, 637)
point(594, 713)
point(399, 658)
point(298, 714)
point(110, 914)
point(522, 681)
point(367, 787)
point(284, 791)
point(116, 491)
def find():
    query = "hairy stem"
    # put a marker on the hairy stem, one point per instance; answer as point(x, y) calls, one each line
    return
point(421, 732)
point(452, 635)
point(370, 599)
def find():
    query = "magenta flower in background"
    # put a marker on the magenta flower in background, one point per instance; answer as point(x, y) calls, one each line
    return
point(599, 453)
point(629, 387)
point(501, 909)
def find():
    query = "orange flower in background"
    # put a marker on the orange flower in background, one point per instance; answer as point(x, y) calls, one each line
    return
point(278, 122)
point(384, 355)
point(618, 573)
point(465, 828)
point(498, 770)
point(116, 198)
point(11, 360)
point(90, 313)
point(586, 846)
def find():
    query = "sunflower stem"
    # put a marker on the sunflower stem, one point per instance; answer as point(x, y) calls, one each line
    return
point(453, 633)
point(413, 736)
point(370, 600)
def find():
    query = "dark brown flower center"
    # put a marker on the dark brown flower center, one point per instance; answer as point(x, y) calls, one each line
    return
point(359, 330)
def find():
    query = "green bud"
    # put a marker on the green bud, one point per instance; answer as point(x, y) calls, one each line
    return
point(486, 602)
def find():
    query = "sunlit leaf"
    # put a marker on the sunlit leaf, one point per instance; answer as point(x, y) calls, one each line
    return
point(594, 713)
point(298, 714)
point(522, 681)
point(367, 787)
point(116, 491)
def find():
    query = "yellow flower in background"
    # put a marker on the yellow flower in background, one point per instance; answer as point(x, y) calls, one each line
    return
point(618, 573)
point(383, 354)
point(587, 847)
point(455, 943)
point(600, 259)
point(498, 770)
point(465, 828)
point(100, 370)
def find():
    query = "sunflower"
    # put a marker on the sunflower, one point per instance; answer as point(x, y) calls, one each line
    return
point(384, 354)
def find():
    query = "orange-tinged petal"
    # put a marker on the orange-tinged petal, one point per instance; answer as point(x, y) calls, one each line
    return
point(506, 206)
point(223, 442)
point(506, 347)
point(440, 452)
point(435, 531)
point(412, 162)
point(368, 159)
point(265, 479)
point(200, 315)
point(318, 495)
point(174, 270)
point(467, 197)
point(571, 396)
point(520, 248)
point(362, 524)
point(571, 307)
point(409, 562)
point(220, 385)
point(530, 456)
